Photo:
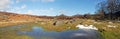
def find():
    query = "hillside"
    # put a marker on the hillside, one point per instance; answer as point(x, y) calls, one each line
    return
point(7, 18)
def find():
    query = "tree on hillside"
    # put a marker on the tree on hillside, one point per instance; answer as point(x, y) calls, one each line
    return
point(109, 7)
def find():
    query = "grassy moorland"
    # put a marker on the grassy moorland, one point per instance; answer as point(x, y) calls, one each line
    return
point(9, 19)
point(108, 29)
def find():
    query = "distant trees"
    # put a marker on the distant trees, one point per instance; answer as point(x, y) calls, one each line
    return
point(109, 9)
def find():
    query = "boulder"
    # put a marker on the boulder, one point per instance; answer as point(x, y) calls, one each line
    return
point(58, 23)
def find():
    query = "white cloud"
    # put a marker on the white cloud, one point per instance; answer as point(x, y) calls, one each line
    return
point(63, 11)
point(46, 10)
point(29, 12)
point(40, 11)
point(23, 6)
point(17, 1)
point(47, 0)
point(43, 0)
point(17, 9)
point(4, 4)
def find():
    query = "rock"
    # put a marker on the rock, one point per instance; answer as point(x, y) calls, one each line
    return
point(58, 23)
point(54, 23)
point(73, 20)
point(101, 30)
point(67, 22)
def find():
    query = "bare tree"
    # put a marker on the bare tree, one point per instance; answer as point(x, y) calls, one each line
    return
point(109, 7)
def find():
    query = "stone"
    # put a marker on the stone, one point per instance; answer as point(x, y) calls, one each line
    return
point(58, 23)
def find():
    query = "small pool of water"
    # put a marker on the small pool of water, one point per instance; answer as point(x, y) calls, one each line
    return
point(39, 33)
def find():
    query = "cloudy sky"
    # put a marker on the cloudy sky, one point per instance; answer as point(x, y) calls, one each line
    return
point(49, 7)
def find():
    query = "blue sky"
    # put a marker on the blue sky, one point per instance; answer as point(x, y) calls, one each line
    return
point(50, 7)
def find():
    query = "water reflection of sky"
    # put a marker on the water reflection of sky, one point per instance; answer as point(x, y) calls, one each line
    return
point(39, 33)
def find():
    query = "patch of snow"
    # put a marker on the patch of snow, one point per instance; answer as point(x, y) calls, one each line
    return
point(86, 27)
